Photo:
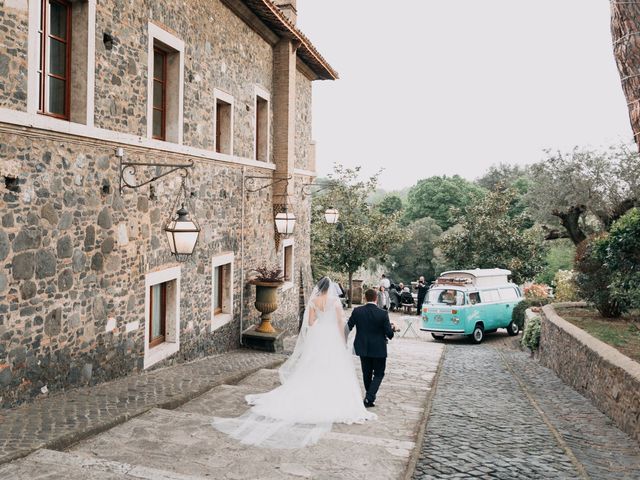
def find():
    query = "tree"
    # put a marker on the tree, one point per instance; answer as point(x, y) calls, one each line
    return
point(583, 192)
point(503, 175)
point(390, 204)
point(488, 237)
point(413, 257)
point(435, 196)
point(560, 256)
point(362, 231)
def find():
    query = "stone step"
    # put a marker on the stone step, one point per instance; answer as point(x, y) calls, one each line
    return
point(50, 464)
point(186, 443)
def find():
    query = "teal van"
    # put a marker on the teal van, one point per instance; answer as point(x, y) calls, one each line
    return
point(470, 302)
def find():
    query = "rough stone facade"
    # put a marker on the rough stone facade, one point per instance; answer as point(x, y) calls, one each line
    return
point(596, 370)
point(74, 252)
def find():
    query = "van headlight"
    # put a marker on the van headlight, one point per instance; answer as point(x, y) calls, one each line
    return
point(455, 320)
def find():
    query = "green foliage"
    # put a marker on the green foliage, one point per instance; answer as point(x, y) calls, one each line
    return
point(582, 192)
point(620, 252)
point(390, 204)
point(362, 231)
point(503, 176)
point(594, 278)
point(435, 196)
point(531, 334)
point(566, 289)
point(559, 256)
point(488, 237)
point(413, 256)
point(518, 313)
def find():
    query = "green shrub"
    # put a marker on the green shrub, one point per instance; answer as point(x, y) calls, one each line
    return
point(566, 289)
point(595, 278)
point(620, 252)
point(517, 316)
point(531, 334)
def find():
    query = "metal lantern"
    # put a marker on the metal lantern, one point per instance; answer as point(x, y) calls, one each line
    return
point(182, 232)
point(331, 215)
point(285, 221)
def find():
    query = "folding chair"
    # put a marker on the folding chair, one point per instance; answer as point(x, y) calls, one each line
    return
point(408, 325)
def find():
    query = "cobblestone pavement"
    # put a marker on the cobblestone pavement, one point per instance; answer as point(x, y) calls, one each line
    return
point(497, 413)
point(66, 417)
point(181, 444)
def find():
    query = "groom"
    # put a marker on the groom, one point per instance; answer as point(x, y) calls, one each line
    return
point(372, 330)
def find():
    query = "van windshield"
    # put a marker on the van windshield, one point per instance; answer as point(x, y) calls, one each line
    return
point(446, 296)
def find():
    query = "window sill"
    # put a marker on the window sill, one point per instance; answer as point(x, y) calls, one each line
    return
point(287, 286)
point(220, 320)
point(159, 353)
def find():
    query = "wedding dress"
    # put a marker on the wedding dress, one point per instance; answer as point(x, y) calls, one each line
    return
point(319, 386)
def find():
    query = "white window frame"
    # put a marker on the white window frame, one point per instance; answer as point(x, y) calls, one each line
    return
point(157, 33)
point(288, 242)
point(171, 344)
point(33, 64)
point(265, 95)
point(223, 318)
point(225, 97)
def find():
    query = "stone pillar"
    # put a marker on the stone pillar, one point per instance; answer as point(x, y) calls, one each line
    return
point(288, 7)
point(284, 117)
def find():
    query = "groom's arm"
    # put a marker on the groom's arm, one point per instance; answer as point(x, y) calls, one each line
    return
point(388, 330)
point(352, 321)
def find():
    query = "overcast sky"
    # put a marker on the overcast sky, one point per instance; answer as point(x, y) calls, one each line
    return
point(453, 86)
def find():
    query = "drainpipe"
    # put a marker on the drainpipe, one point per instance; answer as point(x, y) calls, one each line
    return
point(244, 170)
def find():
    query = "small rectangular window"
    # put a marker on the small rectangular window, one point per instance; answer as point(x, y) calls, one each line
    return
point(508, 294)
point(157, 314)
point(490, 296)
point(288, 263)
point(218, 290)
point(159, 94)
point(262, 129)
point(54, 71)
point(224, 110)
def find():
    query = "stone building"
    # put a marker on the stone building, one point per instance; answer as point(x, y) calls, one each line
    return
point(88, 288)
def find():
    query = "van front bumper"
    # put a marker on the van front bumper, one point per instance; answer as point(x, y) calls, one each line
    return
point(442, 330)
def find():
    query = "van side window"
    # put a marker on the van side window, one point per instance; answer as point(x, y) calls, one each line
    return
point(508, 294)
point(474, 297)
point(490, 296)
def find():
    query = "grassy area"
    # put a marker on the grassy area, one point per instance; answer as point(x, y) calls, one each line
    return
point(622, 334)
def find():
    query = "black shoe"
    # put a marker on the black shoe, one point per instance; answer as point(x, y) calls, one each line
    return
point(368, 404)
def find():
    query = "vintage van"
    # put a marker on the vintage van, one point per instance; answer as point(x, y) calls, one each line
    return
point(470, 302)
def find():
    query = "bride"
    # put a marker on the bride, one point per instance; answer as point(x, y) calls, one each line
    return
point(318, 384)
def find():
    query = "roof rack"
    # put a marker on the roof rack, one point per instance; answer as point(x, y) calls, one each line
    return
point(453, 281)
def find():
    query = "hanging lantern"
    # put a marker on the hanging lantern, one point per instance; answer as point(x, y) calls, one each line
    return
point(182, 231)
point(285, 222)
point(331, 215)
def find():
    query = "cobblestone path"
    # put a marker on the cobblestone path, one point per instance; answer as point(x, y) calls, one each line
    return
point(66, 417)
point(499, 414)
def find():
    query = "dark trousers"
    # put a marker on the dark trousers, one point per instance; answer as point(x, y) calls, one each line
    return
point(420, 302)
point(372, 374)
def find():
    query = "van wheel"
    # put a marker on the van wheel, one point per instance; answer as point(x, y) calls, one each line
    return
point(437, 337)
point(478, 334)
point(513, 329)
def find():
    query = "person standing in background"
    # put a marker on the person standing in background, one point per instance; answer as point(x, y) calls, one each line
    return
point(385, 282)
point(422, 293)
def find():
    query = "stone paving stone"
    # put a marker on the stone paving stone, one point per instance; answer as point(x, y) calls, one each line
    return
point(67, 417)
point(483, 424)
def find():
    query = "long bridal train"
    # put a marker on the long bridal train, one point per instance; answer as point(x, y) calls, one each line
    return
point(319, 385)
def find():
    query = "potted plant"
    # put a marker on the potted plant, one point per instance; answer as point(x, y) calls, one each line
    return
point(267, 282)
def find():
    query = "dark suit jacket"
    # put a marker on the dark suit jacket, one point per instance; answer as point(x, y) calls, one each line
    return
point(372, 330)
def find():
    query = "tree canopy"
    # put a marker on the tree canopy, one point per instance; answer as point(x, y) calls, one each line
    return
point(583, 192)
point(390, 204)
point(435, 196)
point(488, 237)
point(362, 231)
point(412, 257)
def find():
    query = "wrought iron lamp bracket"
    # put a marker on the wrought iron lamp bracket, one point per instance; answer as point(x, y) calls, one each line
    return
point(252, 183)
point(311, 188)
point(130, 168)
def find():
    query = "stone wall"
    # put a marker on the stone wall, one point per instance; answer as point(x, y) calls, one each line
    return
point(74, 252)
point(303, 122)
point(608, 378)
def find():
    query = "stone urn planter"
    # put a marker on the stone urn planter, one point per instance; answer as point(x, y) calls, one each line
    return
point(266, 303)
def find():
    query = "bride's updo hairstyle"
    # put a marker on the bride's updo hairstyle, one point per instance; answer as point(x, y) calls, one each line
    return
point(323, 285)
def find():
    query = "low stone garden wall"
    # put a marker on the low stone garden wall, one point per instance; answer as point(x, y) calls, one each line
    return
point(598, 371)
